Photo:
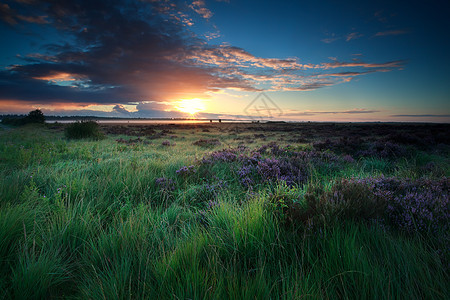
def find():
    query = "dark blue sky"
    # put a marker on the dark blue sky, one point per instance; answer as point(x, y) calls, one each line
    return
point(317, 60)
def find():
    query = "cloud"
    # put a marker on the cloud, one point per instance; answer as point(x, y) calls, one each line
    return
point(309, 86)
point(119, 108)
point(114, 58)
point(212, 35)
point(390, 64)
point(424, 116)
point(199, 7)
point(359, 111)
point(353, 36)
point(7, 15)
point(391, 32)
point(116, 53)
point(329, 40)
point(296, 113)
point(10, 16)
point(34, 19)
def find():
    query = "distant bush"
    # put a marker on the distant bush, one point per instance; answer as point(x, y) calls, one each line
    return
point(35, 116)
point(168, 143)
point(207, 142)
point(84, 129)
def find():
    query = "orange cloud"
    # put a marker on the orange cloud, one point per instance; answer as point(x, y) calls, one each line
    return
point(56, 77)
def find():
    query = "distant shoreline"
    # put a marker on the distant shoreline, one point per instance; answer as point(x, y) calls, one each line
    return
point(110, 120)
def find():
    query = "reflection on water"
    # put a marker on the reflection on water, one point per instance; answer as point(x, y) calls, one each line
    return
point(135, 121)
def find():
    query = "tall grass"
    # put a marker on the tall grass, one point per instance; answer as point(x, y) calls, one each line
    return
point(90, 221)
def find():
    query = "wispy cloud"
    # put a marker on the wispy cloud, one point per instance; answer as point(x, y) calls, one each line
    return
point(424, 116)
point(10, 16)
point(391, 32)
point(390, 64)
point(330, 40)
point(296, 113)
point(199, 7)
point(353, 36)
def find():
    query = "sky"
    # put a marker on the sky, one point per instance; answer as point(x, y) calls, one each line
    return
point(270, 60)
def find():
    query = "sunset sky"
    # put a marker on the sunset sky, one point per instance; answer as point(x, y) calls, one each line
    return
point(314, 60)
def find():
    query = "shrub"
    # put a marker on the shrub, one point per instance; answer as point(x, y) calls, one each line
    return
point(35, 116)
point(207, 142)
point(168, 143)
point(84, 129)
point(411, 206)
point(185, 171)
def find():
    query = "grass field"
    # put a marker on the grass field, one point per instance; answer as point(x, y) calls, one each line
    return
point(226, 211)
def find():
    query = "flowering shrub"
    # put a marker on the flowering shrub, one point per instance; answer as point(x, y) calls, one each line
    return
point(186, 171)
point(411, 206)
point(285, 165)
point(419, 206)
point(227, 155)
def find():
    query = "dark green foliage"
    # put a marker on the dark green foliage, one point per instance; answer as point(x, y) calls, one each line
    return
point(84, 130)
point(35, 116)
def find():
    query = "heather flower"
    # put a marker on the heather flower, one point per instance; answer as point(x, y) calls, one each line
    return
point(165, 184)
point(228, 155)
point(268, 169)
point(348, 159)
point(186, 171)
point(413, 206)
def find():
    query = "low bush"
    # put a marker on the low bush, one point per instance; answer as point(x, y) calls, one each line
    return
point(84, 130)
point(207, 143)
point(411, 206)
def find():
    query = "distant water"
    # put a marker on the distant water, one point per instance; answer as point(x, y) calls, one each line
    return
point(134, 121)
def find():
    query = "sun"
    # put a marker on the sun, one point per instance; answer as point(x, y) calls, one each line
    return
point(191, 106)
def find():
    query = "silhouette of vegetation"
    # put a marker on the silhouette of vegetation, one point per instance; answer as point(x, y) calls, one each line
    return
point(35, 116)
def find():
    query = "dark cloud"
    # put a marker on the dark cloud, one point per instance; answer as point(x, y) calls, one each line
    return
point(120, 52)
point(7, 15)
point(120, 109)
point(11, 17)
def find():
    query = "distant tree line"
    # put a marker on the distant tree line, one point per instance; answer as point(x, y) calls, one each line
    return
point(35, 116)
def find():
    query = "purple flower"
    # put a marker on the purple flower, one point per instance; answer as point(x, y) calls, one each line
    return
point(186, 171)
point(165, 184)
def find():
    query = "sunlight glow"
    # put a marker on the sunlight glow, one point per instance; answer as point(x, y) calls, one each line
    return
point(191, 106)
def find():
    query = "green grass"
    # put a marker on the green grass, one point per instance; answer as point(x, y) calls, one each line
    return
point(85, 219)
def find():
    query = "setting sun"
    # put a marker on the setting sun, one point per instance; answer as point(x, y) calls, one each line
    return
point(191, 106)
